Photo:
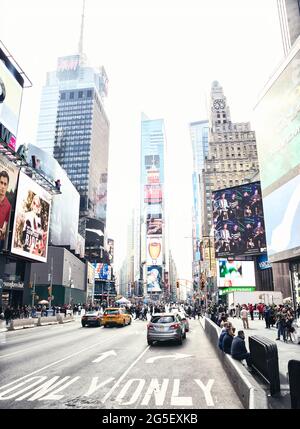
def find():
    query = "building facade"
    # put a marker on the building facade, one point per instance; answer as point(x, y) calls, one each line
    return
point(153, 243)
point(289, 18)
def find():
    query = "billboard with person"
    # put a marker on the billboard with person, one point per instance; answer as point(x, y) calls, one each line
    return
point(11, 86)
point(239, 221)
point(32, 219)
point(154, 276)
point(8, 183)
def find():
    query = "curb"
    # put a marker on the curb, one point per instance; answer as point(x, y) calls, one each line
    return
point(251, 394)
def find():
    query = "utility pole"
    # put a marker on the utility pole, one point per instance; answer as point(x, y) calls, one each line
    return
point(33, 292)
point(51, 282)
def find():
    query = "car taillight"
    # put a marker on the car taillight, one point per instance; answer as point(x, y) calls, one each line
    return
point(150, 327)
point(175, 326)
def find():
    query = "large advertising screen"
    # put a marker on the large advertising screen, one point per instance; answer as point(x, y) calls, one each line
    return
point(277, 124)
point(154, 275)
point(235, 273)
point(239, 221)
point(111, 249)
point(154, 226)
point(152, 194)
point(8, 183)
point(32, 219)
point(154, 250)
point(65, 206)
point(10, 102)
point(102, 271)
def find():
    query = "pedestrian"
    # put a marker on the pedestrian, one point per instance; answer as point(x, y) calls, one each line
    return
point(222, 334)
point(238, 311)
point(298, 310)
point(251, 311)
point(238, 349)
point(281, 325)
point(8, 315)
point(260, 308)
point(267, 316)
point(227, 340)
point(244, 316)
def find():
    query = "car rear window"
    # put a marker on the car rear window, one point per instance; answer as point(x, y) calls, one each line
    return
point(162, 319)
point(111, 312)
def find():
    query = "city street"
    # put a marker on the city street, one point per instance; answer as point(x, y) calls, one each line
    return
point(67, 366)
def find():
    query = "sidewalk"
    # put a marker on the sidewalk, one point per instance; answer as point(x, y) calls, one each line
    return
point(286, 352)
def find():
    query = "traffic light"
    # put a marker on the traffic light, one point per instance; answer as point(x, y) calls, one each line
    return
point(177, 284)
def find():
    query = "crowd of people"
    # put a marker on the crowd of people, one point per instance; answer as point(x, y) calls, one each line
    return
point(281, 316)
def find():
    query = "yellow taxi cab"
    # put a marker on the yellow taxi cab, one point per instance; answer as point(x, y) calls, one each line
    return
point(115, 317)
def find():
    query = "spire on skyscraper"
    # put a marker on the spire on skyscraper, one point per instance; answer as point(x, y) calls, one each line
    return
point(80, 45)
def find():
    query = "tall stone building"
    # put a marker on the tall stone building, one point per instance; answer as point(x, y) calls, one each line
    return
point(232, 154)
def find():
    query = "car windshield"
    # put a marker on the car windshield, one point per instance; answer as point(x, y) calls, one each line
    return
point(111, 312)
point(91, 313)
point(162, 319)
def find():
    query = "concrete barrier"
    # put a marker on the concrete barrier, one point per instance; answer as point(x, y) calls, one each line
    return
point(61, 318)
point(47, 320)
point(249, 391)
point(22, 323)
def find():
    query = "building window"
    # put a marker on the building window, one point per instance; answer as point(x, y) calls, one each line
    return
point(63, 96)
point(80, 94)
point(89, 93)
point(71, 95)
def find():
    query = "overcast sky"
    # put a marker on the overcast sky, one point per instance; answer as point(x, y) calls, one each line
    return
point(161, 57)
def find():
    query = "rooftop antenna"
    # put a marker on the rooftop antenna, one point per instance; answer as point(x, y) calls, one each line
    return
point(80, 45)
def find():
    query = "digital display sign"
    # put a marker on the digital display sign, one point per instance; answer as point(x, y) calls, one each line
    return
point(239, 221)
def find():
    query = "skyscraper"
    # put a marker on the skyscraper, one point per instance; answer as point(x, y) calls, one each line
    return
point(289, 17)
point(73, 126)
point(153, 244)
point(232, 152)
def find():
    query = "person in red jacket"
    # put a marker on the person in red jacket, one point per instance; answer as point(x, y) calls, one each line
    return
point(260, 308)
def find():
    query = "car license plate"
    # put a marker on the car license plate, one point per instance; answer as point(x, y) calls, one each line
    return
point(162, 328)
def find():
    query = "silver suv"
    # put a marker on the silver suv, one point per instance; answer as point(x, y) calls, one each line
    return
point(165, 327)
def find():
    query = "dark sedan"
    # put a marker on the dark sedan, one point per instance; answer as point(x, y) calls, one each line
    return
point(91, 318)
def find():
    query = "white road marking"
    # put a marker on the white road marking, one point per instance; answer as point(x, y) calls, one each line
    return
point(123, 376)
point(206, 390)
point(136, 393)
point(39, 379)
point(59, 361)
point(105, 355)
point(176, 356)
point(93, 387)
point(180, 400)
point(159, 392)
point(53, 395)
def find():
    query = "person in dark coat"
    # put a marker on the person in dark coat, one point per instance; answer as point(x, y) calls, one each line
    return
point(267, 314)
point(8, 314)
point(227, 340)
point(238, 348)
point(223, 332)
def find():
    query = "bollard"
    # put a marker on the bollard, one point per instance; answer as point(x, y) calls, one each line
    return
point(294, 380)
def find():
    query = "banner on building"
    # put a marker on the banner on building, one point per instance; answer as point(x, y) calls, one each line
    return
point(152, 194)
point(32, 219)
point(154, 274)
point(235, 273)
point(154, 226)
point(111, 249)
point(8, 184)
point(154, 250)
point(102, 271)
point(239, 221)
point(11, 86)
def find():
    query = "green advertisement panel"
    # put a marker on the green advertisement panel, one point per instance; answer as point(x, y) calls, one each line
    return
point(226, 290)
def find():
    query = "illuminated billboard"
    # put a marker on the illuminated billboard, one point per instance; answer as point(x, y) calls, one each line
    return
point(154, 250)
point(235, 274)
point(102, 271)
point(68, 67)
point(152, 194)
point(154, 226)
point(8, 183)
point(32, 219)
point(111, 249)
point(277, 124)
point(239, 221)
point(154, 274)
point(10, 101)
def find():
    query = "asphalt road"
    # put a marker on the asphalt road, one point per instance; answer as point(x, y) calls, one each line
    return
point(69, 367)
